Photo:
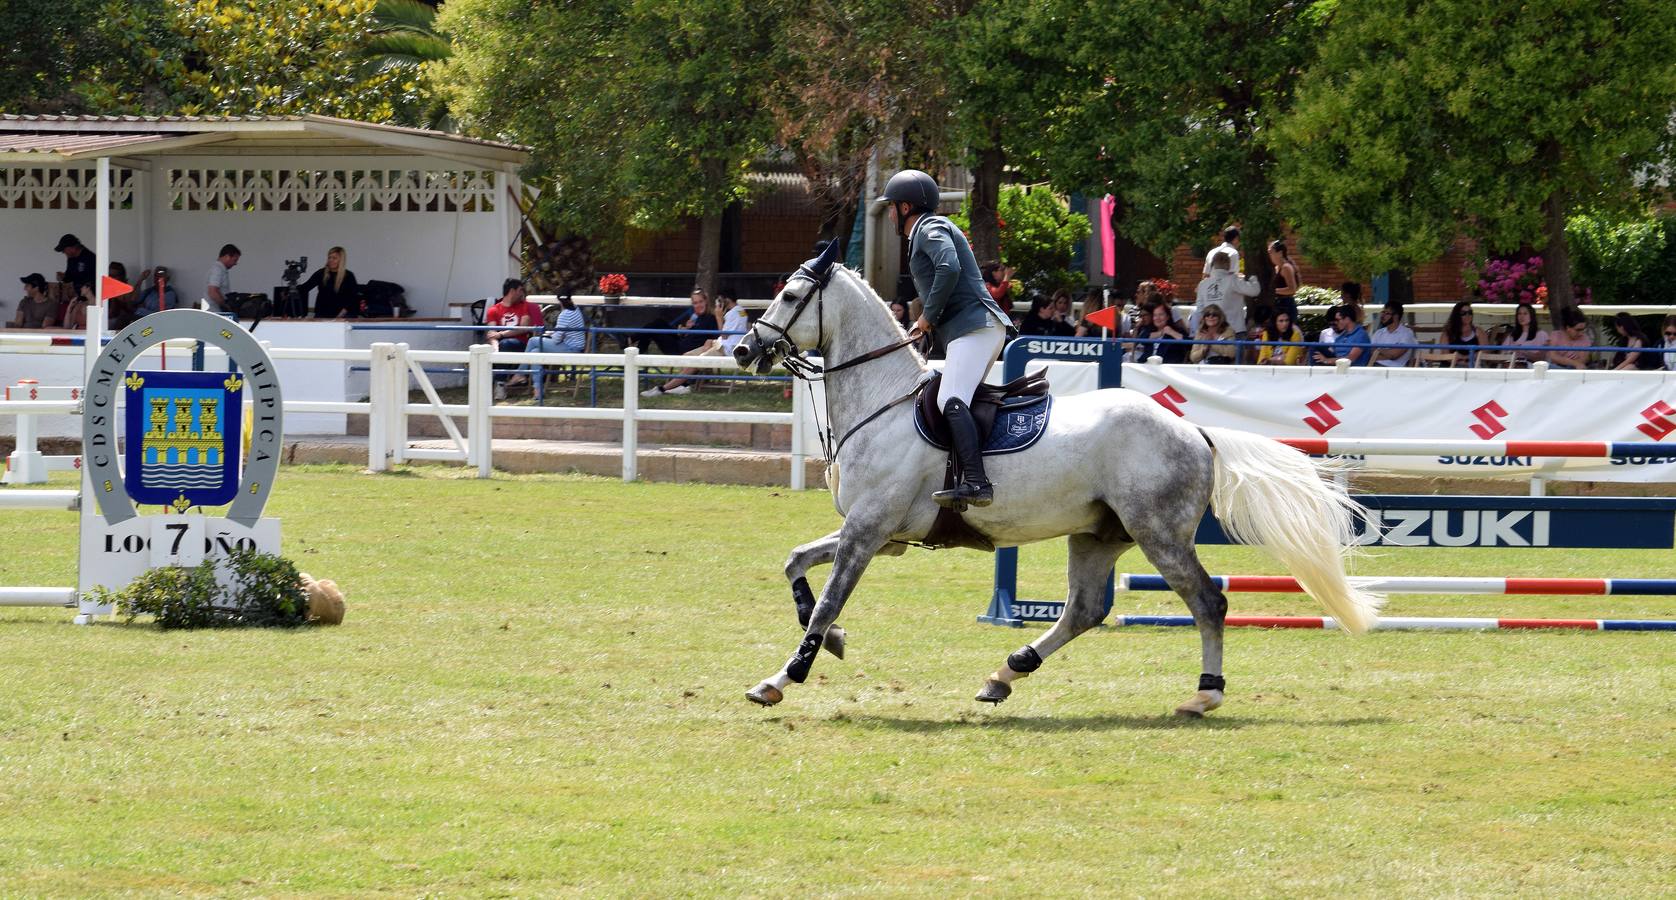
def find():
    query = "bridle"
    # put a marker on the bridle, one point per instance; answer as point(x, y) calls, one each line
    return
point(797, 362)
point(795, 358)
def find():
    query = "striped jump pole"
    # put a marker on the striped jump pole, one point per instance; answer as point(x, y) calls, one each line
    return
point(1422, 447)
point(1285, 584)
point(1398, 623)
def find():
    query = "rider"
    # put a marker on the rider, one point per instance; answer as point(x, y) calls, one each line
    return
point(961, 313)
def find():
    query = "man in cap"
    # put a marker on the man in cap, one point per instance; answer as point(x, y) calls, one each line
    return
point(35, 310)
point(81, 267)
point(960, 312)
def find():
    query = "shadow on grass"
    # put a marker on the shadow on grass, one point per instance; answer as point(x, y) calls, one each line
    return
point(1046, 724)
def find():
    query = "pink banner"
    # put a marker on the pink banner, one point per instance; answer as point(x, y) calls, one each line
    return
point(1108, 237)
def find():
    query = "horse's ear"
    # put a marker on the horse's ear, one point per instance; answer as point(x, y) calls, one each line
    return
point(829, 255)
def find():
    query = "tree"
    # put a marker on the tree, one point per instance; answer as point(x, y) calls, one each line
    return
point(401, 40)
point(849, 75)
point(194, 57)
point(1163, 107)
point(638, 112)
point(1425, 120)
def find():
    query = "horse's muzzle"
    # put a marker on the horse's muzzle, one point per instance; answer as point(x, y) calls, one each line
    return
point(749, 351)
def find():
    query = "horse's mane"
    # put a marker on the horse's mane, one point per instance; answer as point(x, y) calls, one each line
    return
point(867, 291)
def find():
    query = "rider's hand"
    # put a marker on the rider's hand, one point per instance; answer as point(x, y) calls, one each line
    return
point(923, 326)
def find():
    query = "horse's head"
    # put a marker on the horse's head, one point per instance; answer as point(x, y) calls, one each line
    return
point(792, 323)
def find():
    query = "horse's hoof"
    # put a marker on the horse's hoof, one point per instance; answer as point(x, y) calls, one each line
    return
point(764, 694)
point(835, 641)
point(1199, 704)
point(994, 691)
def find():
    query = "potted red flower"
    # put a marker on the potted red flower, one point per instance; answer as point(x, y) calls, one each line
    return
point(613, 287)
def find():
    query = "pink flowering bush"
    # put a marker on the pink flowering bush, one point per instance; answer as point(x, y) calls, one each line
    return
point(1518, 280)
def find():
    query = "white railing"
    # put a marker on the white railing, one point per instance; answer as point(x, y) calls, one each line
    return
point(394, 368)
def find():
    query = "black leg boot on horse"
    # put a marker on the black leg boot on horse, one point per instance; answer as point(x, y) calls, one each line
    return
point(973, 488)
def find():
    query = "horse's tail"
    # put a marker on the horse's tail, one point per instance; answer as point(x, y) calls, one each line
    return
point(1268, 494)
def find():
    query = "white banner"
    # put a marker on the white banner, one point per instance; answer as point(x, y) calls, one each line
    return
point(1441, 404)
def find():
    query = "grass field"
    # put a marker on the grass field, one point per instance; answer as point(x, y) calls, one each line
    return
point(539, 691)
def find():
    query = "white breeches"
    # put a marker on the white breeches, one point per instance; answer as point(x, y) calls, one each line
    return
point(967, 361)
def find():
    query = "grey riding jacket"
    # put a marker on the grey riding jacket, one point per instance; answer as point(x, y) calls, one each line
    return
point(946, 275)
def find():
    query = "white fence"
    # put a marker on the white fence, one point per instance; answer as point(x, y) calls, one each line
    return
point(395, 369)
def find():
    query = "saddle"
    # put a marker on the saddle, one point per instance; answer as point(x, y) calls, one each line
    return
point(988, 403)
point(1023, 403)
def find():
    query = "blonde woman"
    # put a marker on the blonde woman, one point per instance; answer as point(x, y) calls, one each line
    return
point(1213, 326)
point(340, 293)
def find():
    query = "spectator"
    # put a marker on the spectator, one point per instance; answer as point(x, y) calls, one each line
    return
point(220, 282)
point(148, 302)
point(1631, 358)
point(1350, 339)
point(1286, 279)
point(1063, 309)
point(1350, 294)
point(1460, 330)
point(1230, 245)
point(1393, 330)
point(733, 320)
point(1669, 354)
point(1213, 326)
point(339, 294)
point(514, 315)
point(1574, 332)
point(1280, 328)
point(998, 280)
point(36, 309)
point(698, 318)
point(1092, 303)
point(899, 312)
point(72, 314)
point(1224, 289)
point(80, 265)
point(1523, 334)
point(1043, 320)
point(119, 311)
point(1160, 336)
point(569, 334)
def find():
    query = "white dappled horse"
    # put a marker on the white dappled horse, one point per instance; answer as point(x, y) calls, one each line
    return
point(1113, 470)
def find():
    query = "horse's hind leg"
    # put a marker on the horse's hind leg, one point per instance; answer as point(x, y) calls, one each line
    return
point(1089, 568)
point(1180, 566)
point(819, 553)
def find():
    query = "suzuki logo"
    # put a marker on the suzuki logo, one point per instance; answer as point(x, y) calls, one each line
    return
point(1490, 414)
point(1168, 398)
point(1658, 427)
point(1323, 406)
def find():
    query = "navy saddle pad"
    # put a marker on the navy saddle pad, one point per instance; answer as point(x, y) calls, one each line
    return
point(1019, 423)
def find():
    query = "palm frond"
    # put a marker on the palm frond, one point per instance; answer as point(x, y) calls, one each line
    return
point(404, 15)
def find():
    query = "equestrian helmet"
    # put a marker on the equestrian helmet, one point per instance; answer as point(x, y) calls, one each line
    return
point(915, 188)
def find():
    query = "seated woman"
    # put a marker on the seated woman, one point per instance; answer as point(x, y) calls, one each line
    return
point(734, 321)
point(1523, 335)
point(1631, 358)
point(1574, 334)
point(1280, 328)
point(1092, 304)
point(569, 335)
point(1161, 335)
point(1213, 326)
point(1043, 320)
point(1459, 329)
point(339, 294)
point(899, 312)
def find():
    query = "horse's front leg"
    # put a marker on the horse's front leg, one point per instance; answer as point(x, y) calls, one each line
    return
point(857, 543)
point(819, 553)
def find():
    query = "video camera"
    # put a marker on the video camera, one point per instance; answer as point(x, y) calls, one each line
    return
point(288, 300)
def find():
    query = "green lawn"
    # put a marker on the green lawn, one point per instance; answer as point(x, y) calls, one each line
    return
point(539, 691)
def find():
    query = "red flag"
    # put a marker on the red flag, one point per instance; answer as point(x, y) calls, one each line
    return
point(110, 287)
point(1105, 318)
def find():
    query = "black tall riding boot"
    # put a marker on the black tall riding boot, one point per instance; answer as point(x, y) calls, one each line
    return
point(974, 488)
